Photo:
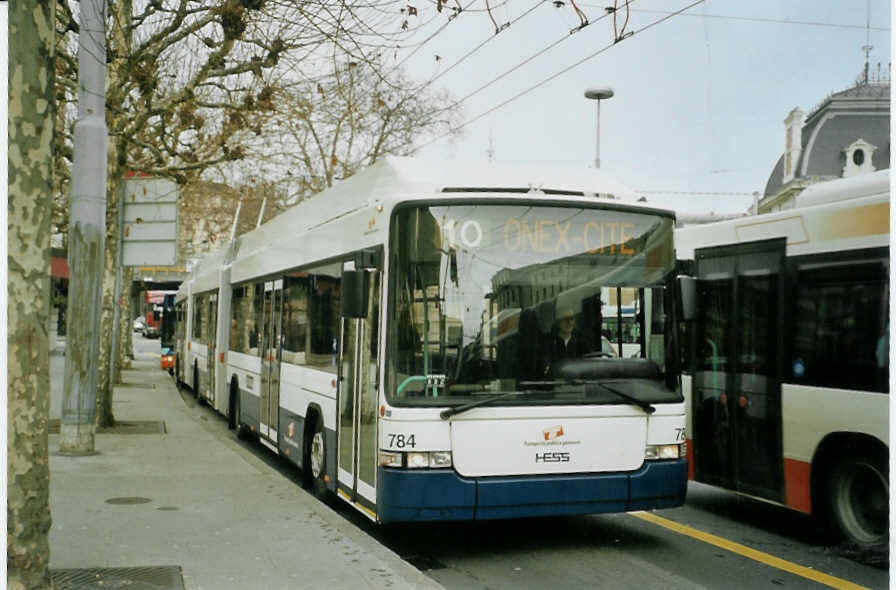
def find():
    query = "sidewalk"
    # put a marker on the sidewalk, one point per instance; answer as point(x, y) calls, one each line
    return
point(214, 508)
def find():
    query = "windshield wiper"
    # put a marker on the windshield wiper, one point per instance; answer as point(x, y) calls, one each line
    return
point(445, 414)
point(648, 408)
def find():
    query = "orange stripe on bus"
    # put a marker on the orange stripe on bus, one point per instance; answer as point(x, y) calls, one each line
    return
point(797, 485)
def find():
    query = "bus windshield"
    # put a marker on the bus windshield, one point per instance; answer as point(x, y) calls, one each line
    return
point(546, 300)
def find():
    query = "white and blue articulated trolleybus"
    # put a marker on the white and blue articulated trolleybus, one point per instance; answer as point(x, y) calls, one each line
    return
point(426, 343)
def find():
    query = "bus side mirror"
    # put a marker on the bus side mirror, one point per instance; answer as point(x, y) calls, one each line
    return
point(687, 296)
point(353, 303)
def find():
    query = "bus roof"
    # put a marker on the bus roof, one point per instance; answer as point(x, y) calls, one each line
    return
point(843, 214)
point(390, 181)
point(395, 178)
point(863, 185)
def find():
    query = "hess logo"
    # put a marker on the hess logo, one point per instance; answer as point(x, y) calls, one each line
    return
point(553, 432)
point(552, 457)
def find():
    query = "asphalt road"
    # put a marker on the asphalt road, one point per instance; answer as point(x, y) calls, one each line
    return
point(717, 540)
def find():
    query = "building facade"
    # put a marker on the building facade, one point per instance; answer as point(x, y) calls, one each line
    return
point(846, 135)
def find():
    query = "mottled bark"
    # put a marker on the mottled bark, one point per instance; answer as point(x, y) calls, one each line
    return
point(105, 390)
point(127, 294)
point(31, 122)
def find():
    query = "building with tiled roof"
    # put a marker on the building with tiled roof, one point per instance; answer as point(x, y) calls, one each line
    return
point(847, 134)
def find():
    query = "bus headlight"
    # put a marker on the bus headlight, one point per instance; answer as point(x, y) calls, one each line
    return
point(416, 460)
point(389, 459)
point(663, 452)
point(440, 459)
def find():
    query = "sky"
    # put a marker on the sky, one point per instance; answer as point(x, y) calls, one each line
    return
point(699, 101)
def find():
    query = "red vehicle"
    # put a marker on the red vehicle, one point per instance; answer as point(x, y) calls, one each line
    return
point(159, 319)
point(153, 311)
point(167, 362)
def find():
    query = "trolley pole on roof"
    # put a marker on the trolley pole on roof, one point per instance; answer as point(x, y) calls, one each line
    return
point(598, 94)
point(86, 235)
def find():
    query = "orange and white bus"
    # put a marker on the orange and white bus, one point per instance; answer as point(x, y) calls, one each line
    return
point(787, 359)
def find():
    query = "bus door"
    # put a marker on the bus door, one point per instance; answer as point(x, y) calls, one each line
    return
point(269, 411)
point(358, 395)
point(737, 388)
point(211, 335)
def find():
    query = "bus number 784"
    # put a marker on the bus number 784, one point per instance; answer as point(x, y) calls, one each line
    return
point(401, 441)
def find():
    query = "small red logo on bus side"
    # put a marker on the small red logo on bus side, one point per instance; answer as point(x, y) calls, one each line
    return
point(553, 432)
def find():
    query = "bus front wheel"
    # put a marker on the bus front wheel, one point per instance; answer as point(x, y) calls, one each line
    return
point(859, 500)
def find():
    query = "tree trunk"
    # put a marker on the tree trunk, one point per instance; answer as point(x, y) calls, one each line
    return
point(105, 389)
point(31, 116)
point(130, 314)
point(124, 328)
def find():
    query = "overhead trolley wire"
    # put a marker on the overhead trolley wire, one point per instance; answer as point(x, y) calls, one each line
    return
point(526, 61)
point(430, 38)
point(758, 19)
point(549, 78)
point(483, 44)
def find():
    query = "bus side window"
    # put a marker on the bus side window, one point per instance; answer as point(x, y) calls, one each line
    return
point(295, 317)
point(257, 318)
point(841, 326)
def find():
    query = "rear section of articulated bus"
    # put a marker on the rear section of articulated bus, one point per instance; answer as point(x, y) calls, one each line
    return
point(502, 398)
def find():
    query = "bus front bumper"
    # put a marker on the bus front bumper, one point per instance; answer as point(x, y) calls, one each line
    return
point(442, 494)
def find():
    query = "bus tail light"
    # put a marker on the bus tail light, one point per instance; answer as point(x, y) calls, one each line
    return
point(664, 452)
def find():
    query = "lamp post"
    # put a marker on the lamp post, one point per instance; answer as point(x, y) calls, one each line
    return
point(598, 94)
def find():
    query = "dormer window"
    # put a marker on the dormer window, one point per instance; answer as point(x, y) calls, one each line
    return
point(857, 158)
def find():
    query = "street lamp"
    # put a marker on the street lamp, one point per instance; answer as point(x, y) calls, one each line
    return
point(598, 94)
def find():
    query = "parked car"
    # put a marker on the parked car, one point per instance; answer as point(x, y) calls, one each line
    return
point(139, 325)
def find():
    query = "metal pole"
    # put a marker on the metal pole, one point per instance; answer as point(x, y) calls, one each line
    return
point(598, 94)
point(87, 229)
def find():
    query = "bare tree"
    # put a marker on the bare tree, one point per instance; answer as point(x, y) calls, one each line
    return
point(324, 130)
point(31, 115)
point(207, 210)
point(189, 83)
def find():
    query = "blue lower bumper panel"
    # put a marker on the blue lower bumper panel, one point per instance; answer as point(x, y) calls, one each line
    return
point(407, 495)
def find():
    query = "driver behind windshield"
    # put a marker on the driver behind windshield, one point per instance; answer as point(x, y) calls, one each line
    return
point(567, 340)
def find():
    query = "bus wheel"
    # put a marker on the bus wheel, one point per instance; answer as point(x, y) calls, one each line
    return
point(315, 460)
point(859, 495)
point(196, 383)
point(242, 432)
point(231, 408)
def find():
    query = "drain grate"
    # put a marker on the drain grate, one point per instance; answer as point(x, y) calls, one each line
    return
point(425, 563)
point(122, 427)
point(166, 577)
